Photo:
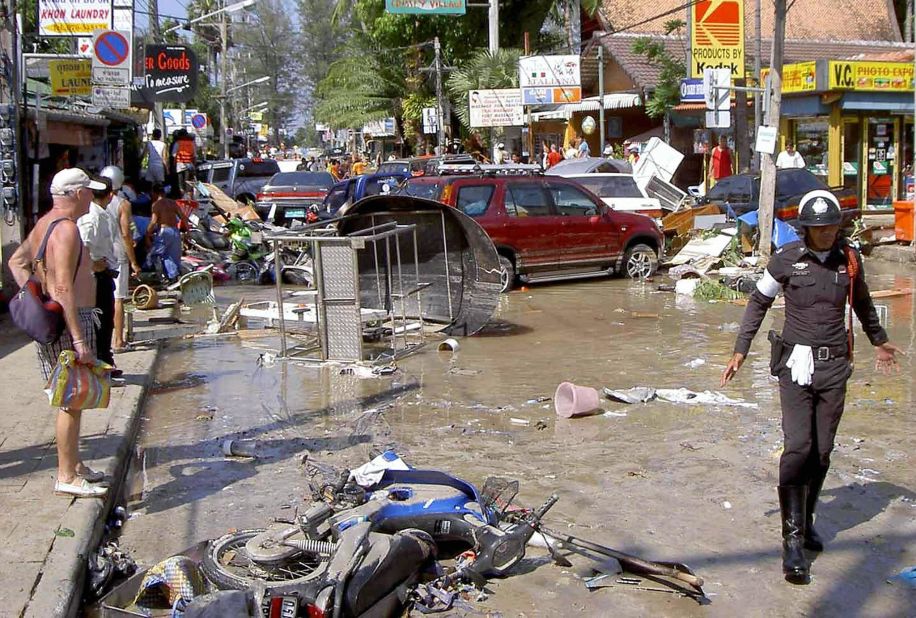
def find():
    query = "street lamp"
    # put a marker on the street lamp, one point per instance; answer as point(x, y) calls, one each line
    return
point(232, 8)
point(259, 80)
point(255, 106)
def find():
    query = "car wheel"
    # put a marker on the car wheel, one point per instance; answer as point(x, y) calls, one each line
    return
point(640, 262)
point(506, 273)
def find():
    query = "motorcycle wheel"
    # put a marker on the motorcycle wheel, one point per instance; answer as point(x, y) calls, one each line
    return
point(245, 272)
point(227, 565)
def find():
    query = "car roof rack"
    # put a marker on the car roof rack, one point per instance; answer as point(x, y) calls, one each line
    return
point(488, 169)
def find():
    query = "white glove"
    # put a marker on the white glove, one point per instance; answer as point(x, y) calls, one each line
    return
point(801, 362)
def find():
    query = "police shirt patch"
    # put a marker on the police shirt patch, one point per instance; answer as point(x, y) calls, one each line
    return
point(799, 265)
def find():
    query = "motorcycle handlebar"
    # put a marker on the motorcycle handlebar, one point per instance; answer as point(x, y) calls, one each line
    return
point(540, 512)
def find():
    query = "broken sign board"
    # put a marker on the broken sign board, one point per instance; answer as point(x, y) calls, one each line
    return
point(699, 248)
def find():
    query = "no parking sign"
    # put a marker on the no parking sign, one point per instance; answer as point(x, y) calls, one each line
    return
point(111, 58)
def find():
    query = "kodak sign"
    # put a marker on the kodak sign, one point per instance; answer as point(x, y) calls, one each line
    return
point(717, 36)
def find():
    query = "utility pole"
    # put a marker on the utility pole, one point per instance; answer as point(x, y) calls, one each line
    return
point(158, 113)
point(908, 24)
point(494, 26)
point(768, 161)
point(440, 108)
point(223, 82)
point(741, 147)
point(758, 98)
point(601, 96)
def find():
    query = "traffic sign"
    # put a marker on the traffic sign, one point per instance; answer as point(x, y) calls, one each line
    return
point(199, 121)
point(716, 89)
point(111, 58)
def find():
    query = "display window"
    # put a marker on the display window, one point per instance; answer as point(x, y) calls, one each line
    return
point(880, 161)
point(811, 142)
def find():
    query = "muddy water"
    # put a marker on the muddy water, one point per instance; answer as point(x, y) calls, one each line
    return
point(666, 481)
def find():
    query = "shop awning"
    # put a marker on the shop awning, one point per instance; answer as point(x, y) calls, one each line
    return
point(878, 101)
point(617, 100)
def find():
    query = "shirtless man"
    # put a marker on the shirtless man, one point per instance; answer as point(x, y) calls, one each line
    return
point(163, 237)
point(68, 279)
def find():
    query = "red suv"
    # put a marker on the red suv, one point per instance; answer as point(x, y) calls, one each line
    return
point(548, 228)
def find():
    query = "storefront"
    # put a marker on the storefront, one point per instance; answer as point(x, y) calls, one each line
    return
point(852, 121)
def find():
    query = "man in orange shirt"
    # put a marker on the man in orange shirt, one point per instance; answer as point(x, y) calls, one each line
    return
point(554, 156)
point(720, 162)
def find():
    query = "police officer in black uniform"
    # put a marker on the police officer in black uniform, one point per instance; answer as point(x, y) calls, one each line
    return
point(812, 359)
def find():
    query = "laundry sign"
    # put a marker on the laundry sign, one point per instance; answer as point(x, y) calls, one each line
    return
point(170, 75)
point(73, 17)
point(70, 78)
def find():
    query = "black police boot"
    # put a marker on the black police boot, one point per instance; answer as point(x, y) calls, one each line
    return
point(813, 541)
point(792, 503)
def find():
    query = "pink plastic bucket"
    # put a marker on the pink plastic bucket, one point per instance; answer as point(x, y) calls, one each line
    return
point(571, 400)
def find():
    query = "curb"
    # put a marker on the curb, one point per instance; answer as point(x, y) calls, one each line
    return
point(59, 591)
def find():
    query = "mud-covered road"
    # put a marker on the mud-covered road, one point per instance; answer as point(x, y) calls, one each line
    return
point(688, 483)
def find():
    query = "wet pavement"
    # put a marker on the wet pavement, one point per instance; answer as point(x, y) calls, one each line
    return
point(688, 483)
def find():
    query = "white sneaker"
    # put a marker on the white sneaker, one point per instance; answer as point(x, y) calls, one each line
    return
point(79, 488)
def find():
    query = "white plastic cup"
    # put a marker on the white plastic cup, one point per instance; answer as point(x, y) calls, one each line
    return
point(449, 345)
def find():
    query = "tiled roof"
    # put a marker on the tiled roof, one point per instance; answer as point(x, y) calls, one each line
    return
point(644, 75)
point(844, 20)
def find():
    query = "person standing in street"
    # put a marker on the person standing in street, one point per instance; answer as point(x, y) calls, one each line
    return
point(554, 156)
point(156, 158)
point(790, 158)
point(812, 359)
point(163, 237)
point(359, 166)
point(583, 151)
point(97, 235)
point(120, 212)
point(720, 162)
point(184, 152)
point(66, 273)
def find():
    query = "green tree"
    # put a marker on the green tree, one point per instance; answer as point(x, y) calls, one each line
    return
point(667, 91)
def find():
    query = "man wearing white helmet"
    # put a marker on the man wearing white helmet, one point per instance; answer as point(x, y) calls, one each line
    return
point(812, 359)
point(122, 220)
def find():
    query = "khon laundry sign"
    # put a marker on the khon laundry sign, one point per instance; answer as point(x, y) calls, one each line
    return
point(73, 17)
point(170, 75)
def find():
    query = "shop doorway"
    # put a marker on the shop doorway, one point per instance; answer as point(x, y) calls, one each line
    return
point(852, 154)
point(880, 163)
point(906, 186)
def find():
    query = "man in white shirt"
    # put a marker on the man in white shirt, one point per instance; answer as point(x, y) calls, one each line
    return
point(96, 233)
point(156, 158)
point(789, 158)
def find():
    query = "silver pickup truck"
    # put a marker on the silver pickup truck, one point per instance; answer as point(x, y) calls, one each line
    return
point(240, 179)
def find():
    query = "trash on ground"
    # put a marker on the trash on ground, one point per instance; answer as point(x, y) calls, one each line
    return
point(701, 247)
point(174, 579)
point(241, 448)
point(371, 473)
point(643, 394)
point(638, 394)
point(697, 362)
point(519, 421)
point(907, 577)
point(106, 567)
point(572, 401)
point(449, 345)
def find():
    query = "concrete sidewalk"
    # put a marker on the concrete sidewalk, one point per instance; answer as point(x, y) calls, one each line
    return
point(42, 565)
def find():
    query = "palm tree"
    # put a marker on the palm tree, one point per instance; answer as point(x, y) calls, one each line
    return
point(482, 71)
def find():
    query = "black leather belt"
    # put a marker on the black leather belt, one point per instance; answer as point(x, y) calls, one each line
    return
point(828, 353)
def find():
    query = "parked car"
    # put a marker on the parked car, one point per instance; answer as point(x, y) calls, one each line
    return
point(415, 166)
point(741, 193)
point(620, 192)
point(352, 190)
point(240, 179)
point(589, 165)
point(288, 196)
point(548, 228)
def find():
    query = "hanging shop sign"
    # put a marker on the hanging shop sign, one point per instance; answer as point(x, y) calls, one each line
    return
point(70, 78)
point(866, 76)
point(549, 79)
point(717, 36)
point(170, 75)
point(426, 7)
point(73, 17)
point(380, 128)
point(113, 97)
point(496, 108)
point(798, 77)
